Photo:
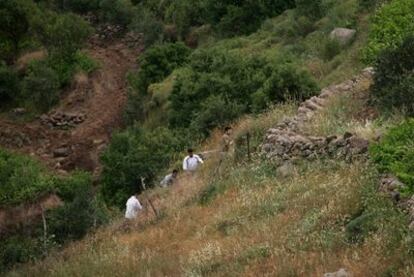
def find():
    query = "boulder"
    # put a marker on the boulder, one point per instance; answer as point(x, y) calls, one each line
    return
point(340, 273)
point(343, 35)
point(62, 152)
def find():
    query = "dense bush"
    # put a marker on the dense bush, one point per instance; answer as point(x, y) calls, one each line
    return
point(14, 25)
point(395, 153)
point(17, 249)
point(81, 210)
point(285, 83)
point(314, 9)
point(133, 154)
point(394, 79)
point(21, 179)
point(145, 22)
point(80, 6)
point(9, 83)
point(158, 62)
point(41, 86)
point(390, 25)
point(117, 11)
point(242, 81)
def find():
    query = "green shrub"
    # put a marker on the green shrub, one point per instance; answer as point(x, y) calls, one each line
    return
point(117, 11)
point(331, 48)
point(79, 6)
point(314, 9)
point(394, 78)
point(390, 25)
point(21, 179)
point(395, 153)
point(64, 35)
point(14, 24)
point(41, 86)
point(133, 154)
point(369, 4)
point(285, 83)
point(81, 211)
point(215, 112)
point(9, 84)
point(145, 22)
point(158, 62)
point(85, 63)
point(237, 80)
point(17, 249)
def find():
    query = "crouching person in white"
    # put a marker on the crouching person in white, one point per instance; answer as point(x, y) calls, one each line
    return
point(191, 162)
point(132, 207)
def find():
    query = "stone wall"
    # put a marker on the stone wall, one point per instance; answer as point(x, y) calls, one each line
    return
point(288, 142)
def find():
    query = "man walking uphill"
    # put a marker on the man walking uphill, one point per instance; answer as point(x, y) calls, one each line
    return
point(132, 207)
point(191, 162)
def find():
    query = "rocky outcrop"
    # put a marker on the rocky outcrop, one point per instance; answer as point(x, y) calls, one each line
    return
point(343, 35)
point(288, 142)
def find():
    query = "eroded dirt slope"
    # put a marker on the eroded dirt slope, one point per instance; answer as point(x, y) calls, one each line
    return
point(93, 106)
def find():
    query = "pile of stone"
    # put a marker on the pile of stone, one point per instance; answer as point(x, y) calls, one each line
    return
point(285, 145)
point(13, 139)
point(108, 31)
point(287, 142)
point(62, 120)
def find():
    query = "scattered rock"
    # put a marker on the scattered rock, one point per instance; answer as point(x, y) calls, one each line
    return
point(285, 170)
point(343, 35)
point(62, 152)
point(19, 111)
point(62, 120)
point(340, 273)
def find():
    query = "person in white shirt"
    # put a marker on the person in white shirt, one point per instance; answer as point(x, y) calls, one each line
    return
point(132, 207)
point(191, 162)
point(169, 179)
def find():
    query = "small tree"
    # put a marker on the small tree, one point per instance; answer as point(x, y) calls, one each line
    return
point(394, 78)
point(14, 26)
point(41, 86)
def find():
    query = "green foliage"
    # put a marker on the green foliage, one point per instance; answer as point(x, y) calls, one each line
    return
point(133, 154)
point(21, 179)
point(390, 25)
point(331, 48)
point(215, 112)
point(369, 4)
point(81, 210)
point(79, 6)
point(313, 9)
point(242, 17)
point(146, 23)
point(117, 11)
point(85, 63)
point(395, 153)
point(394, 79)
point(64, 35)
point(245, 82)
point(158, 62)
point(9, 83)
point(41, 86)
point(14, 24)
point(17, 249)
point(285, 83)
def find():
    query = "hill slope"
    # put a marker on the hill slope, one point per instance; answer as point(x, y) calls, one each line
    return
point(250, 219)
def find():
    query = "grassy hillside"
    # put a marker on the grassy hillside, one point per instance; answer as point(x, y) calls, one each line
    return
point(204, 67)
point(246, 219)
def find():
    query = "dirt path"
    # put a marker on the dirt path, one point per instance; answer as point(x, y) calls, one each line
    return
point(98, 98)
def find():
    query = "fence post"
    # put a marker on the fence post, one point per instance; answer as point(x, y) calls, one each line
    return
point(248, 146)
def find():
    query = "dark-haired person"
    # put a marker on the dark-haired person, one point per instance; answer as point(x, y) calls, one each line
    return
point(191, 162)
point(169, 179)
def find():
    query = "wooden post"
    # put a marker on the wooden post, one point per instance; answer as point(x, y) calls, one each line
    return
point(44, 230)
point(248, 146)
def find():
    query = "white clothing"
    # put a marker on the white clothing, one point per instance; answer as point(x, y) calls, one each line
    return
point(167, 181)
point(132, 207)
point(191, 163)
